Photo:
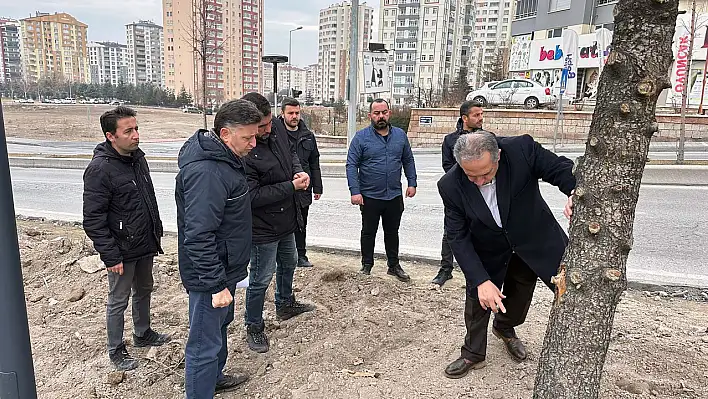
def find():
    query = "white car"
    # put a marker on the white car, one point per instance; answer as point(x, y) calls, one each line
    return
point(512, 92)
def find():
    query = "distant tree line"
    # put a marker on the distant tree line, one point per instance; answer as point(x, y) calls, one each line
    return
point(141, 94)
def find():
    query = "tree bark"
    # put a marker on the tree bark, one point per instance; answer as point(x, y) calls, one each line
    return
point(591, 277)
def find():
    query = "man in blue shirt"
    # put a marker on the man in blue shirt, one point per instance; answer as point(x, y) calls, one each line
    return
point(376, 156)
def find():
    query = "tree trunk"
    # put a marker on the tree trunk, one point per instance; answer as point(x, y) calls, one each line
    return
point(591, 277)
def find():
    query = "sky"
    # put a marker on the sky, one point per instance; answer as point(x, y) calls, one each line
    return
point(107, 19)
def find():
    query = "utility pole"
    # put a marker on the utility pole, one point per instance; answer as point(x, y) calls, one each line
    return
point(16, 367)
point(353, 72)
point(686, 87)
point(275, 60)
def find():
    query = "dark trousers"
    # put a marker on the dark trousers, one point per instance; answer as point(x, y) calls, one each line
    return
point(136, 279)
point(518, 288)
point(206, 350)
point(301, 235)
point(446, 257)
point(390, 213)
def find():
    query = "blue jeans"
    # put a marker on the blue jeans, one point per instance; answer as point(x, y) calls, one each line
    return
point(206, 349)
point(278, 257)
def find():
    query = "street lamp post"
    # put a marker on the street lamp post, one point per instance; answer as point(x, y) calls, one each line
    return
point(290, 61)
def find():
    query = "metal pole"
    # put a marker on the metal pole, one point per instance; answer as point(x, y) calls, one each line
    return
point(703, 86)
point(275, 84)
point(290, 62)
point(558, 117)
point(684, 95)
point(16, 367)
point(353, 72)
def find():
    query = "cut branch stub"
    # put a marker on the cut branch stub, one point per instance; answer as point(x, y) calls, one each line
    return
point(612, 274)
point(579, 192)
point(646, 87)
point(594, 141)
point(576, 278)
point(624, 108)
point(559, 282)
point(594, 227)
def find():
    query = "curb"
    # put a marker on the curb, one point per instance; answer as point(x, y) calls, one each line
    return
point(681, 175)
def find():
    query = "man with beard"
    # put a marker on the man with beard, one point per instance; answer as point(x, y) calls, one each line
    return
point(374, 162)
point(306, 147)
point(470, 121)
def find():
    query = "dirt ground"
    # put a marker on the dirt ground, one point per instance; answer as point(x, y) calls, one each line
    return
point(371, 336)
point(80, 122)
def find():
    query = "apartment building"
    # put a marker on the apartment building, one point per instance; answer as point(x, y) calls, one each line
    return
point(310, 90)
point(10, 60)
point(333, 48)
point(234, 43)
point(108, 63)
point(429, 41)
point(491, 39)
point(54, 45)
point(145, 57)
point(285, 71)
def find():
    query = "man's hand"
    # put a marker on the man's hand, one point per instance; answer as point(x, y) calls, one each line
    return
point(117, 269)
point(221, 299)
point(490, 297)
point(357, 199)
point(303, 175)
point(568, 210)
point(410, 192)
point(318, 196)
point(301, 183)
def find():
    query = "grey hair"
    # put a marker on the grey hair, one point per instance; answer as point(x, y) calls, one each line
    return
point(472, 146)
point(236, 113)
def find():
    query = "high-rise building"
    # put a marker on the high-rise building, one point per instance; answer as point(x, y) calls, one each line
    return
point(285, 71)
point(232, 38)
point(425, 42)
point(334, 39)
point(310, 92)
point(54, 45)
point(108, 62)
point(490, 41)
point(10, 60)
point(145, 58)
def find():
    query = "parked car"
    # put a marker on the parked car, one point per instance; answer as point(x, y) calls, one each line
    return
point(514, 92)
point(191, 110)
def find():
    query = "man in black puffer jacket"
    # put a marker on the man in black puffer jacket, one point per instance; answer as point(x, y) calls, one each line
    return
point(470, 121)
point(214, 240)
point(122, 219)
point(306, 147)
point(274, 176)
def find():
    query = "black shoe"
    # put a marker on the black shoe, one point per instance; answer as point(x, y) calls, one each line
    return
point(293, 309)
point(442, 277)
point(302, 261)
point(257, 339)
point(460, 367)
point(398, 272)
point(122, 360)
point(151, 338)
point(229, 382)
point(366, 269)
point(512, 343)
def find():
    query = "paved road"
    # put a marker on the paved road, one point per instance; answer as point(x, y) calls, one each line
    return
point(670, 232)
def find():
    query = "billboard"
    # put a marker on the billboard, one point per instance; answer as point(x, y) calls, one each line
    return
point(376, 79)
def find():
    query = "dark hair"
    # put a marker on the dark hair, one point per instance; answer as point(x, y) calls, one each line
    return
point(289, 102)
point(109, 119)
point(467, 106)
point(379, 101)
point(260, 102)
point(236, 113)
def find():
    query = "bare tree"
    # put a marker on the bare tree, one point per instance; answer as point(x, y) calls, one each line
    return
point(205, 36)
point(592, 274)
point(499, 68)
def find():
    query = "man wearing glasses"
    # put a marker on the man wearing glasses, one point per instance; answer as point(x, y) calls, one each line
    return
point(274, 175)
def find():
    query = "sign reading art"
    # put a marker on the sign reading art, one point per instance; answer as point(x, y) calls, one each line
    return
point(548, 53)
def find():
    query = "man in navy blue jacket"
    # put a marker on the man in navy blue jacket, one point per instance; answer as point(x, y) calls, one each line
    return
point(376, 156)
point(214, 239)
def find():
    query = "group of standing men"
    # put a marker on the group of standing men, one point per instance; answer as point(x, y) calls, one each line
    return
point(243, 193)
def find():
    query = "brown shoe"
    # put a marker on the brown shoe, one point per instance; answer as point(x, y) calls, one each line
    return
point(514, 346)
point(460, 367)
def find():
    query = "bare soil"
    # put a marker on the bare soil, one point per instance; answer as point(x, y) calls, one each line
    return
point(371, 336)
point(80, 122)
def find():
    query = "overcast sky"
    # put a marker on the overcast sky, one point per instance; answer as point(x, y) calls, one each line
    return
point(107, 19)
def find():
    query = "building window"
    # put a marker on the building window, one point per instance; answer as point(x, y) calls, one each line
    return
point(551, 33)
point(526, 8)
point(559, 5)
